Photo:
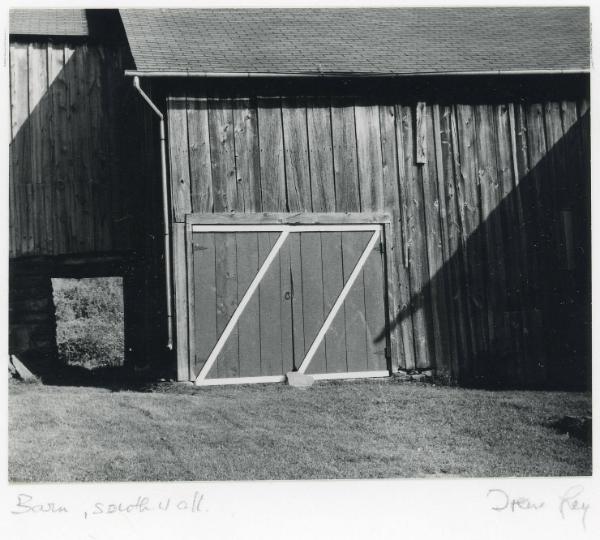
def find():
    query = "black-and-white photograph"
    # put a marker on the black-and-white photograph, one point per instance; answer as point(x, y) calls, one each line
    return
point(297, 244)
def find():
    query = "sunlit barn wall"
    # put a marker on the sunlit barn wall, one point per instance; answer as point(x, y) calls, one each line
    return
point(488, 184)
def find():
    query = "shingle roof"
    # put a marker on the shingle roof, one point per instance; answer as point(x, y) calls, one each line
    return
point(48, 22)
point(361, 41)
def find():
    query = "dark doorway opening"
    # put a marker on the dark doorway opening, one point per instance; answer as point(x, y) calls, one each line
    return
point(89, 321)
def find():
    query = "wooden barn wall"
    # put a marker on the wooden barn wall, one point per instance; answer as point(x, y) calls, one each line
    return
point(66, 192)
point(490, 203)
point(85, 193)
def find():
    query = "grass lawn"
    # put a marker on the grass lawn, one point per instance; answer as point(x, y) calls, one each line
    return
point(359, 429)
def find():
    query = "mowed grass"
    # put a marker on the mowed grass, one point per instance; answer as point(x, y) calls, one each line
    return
point(356, 429)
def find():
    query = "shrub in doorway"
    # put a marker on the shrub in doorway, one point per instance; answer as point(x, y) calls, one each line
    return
point(89, 321)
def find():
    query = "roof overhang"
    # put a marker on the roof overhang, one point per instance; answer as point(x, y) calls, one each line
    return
point(224, 75)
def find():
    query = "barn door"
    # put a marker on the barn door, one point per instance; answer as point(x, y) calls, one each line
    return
point(268, 299)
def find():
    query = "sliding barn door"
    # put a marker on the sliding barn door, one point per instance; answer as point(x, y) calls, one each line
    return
point(267, 300)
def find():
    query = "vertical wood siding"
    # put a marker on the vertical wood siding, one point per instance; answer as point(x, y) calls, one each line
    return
point(485, 198)
point(64, 112)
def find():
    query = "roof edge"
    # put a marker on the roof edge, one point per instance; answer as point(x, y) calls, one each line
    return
point(215, 75)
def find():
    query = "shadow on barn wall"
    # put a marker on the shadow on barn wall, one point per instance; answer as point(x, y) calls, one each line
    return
point(67, 111)
point(81, 175)
point(511, 306)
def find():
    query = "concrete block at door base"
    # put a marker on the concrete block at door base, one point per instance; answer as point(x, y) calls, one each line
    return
point(299, 380)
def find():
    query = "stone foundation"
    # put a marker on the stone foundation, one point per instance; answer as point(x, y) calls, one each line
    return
point(32, 321)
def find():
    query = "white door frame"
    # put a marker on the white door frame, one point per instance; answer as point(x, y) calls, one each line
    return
point(285, 230)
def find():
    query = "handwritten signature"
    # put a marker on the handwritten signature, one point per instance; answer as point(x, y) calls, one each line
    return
point(568, 504)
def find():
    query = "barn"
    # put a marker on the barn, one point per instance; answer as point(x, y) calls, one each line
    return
point(338, 192)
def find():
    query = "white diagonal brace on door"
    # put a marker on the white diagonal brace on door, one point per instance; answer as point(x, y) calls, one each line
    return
point(338, 303)
point(242, 305)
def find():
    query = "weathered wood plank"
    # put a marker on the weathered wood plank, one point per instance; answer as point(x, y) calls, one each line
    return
point(297, 168)
point(571, 193)
point(526, 230)
point(272, 165)
point(492, 233)
point(227, 364)
point(375, 310)
point(574, 150)
point(12, 205)
point(19, 87)
point(12, 216)
point(469, 202)
point(282, 218)
point(146, 306)
point(270, 309)
point(345, 158)
point(249, 324)
point(222, 149)
point(110, 72)
point(458, 243)
point(40, 159)
point(72, 218)
point(421, 133)
point(22, 143)
point(318, 126)
point(557, 186)
point(393, 338)
point(536, 199)
point(536, 148)
point(287, 324)
point(450, 238)
point(21, 211)
point(205, 300)
point(312, 296)
point(123, 226)
point(76, 221)
point(515, 252)
point(507, 194)
point(417, 253)
point(405, 311)
point(141, 125)
point(76, 167)
point(333, 283)
point(83, 137)
point(353, 244)
point(199, 155)
point(181, 302)
point(568, 114)
point(401, 351)
point(584, 147)
point(100, 198)
point(520, 173)
point(299, 345)
point(247, 154)
point(179, 157)
point(435, 248)
point(368, 143)
point(98, 124)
